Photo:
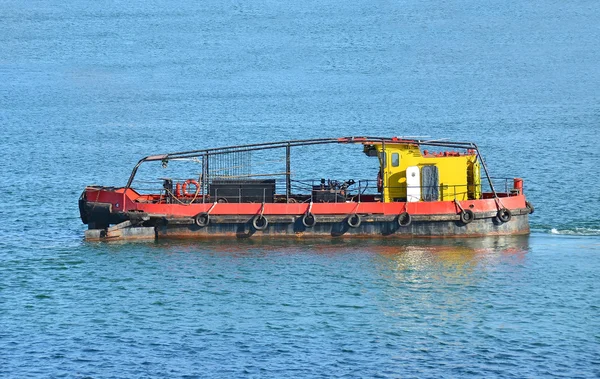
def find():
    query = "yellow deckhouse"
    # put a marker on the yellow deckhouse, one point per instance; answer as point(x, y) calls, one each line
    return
point(409, 174)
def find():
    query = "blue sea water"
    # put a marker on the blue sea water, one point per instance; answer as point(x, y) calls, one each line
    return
point(87, 88)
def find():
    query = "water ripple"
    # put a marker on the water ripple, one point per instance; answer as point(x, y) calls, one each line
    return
point(89, 88)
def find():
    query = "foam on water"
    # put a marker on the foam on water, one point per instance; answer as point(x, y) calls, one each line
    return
point(576, 232)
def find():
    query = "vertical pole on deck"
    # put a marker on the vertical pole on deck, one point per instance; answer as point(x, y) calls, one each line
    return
point(202, 181)
point(288, 179)
point(487, 174)
point(206, 178)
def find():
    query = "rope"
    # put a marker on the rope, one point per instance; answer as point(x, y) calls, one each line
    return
point(458, 205)
point(356, 208)
point(309, 207)
point(211, 208)
point(181, 202)
point(499, 203)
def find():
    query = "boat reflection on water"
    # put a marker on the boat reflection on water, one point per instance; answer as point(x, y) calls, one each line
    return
point(451, 264)
point(461, 254)
point(405, 254)
point(418, 283)
point(438, 283)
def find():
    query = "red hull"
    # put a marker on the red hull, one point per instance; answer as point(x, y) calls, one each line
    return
point(432, 219)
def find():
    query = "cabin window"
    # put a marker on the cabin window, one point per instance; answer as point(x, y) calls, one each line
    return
point(382, 159)
point(395, 159)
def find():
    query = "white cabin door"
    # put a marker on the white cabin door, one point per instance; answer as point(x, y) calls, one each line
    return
point(413, 184)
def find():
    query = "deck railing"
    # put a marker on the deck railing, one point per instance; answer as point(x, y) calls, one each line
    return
point(317, 190)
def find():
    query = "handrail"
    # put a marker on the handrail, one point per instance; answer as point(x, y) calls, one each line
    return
point(309, 184)
point(206, 153)
point(306, 192)
point(288, 144)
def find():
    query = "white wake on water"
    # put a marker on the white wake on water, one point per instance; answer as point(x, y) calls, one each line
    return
point(576, 231)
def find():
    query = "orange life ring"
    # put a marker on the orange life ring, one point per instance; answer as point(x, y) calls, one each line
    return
point(185, 186)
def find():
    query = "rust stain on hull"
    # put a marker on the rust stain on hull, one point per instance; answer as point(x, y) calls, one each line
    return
point(144, 227)
point(518, 225)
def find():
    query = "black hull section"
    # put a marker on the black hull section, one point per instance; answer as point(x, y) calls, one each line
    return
point(141, 226)
point(369, 228)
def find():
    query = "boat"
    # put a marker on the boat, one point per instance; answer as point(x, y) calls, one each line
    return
point(417, 188)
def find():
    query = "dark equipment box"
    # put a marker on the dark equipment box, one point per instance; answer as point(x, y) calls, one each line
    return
point(243, 191)
point(322, 194)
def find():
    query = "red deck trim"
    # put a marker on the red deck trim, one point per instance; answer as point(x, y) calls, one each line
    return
point(119, 196)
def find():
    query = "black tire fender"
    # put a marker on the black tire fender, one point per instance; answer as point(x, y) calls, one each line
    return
point(260, 222)
point(202, 219)
point(309, 220)
point(530, 207)
point(404, 219)
point(353, 220)
point(504, 215)
point(467, 216)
